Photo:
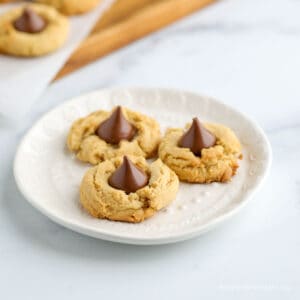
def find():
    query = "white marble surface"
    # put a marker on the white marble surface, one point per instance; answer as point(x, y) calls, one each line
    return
point(243, 52)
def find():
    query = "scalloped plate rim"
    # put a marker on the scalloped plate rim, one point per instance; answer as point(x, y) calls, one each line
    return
point(131, 239)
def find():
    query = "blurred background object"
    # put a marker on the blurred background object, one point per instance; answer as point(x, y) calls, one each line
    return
point(125, 22)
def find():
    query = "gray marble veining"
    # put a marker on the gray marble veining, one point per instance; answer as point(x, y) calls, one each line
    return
point(245, 53)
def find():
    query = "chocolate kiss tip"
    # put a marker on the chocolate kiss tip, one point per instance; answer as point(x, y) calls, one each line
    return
point(27, 11)
point(30, 22)
point(197, 138)
point(128, 177)
point(116, 128)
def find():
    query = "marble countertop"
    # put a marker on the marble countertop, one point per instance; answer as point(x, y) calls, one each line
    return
point(245, 53)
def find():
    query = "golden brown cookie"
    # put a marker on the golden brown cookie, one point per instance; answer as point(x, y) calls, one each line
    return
point(104, 201)
point(89, 147)
point(218, 163)
point(71, 7)
point(19, 43)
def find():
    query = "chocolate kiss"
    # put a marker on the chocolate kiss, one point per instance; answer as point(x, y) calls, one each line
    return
point(116, 128)
point(128, 177)
point(197, 138)
point(29, 22)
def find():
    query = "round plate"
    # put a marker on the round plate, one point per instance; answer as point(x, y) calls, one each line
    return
point(49, 176)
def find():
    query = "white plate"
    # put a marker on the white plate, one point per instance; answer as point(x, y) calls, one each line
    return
point(49, 176)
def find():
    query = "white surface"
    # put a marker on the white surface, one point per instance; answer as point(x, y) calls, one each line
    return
point(23, 80)
point(243, 52)
point(49, 176)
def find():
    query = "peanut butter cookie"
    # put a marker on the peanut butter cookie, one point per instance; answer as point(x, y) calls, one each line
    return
point(71, 7)
point(32, 30)
point(127, 190)
point(103, 135)
point(202, 155)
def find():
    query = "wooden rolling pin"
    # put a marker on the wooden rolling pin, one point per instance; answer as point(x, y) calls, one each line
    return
point(125, 22)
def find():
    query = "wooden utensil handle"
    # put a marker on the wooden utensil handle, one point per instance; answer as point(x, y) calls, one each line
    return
point(144, 21)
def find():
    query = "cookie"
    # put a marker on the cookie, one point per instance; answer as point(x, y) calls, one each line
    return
point(71, 7)
point(32, 30)
point(104, 201)
point(94, 138)
point(217, 163)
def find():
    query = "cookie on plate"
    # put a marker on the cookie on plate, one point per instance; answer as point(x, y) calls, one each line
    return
point(128, 189)
point(204, 153)
point(103, 135)
point(71, 7)
point(32, 30)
